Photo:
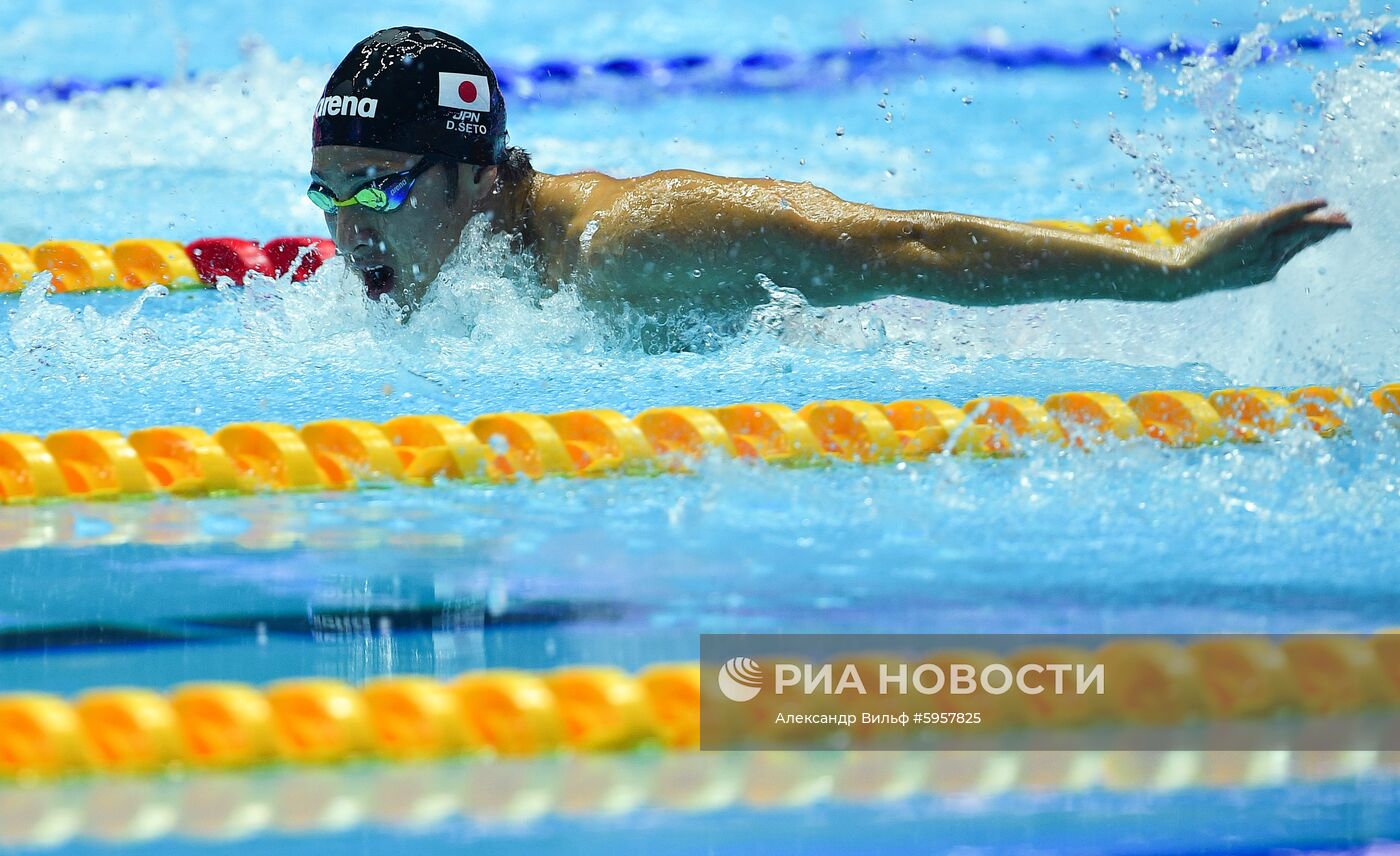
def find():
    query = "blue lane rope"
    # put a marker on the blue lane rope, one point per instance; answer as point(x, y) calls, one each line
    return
point(773, 70)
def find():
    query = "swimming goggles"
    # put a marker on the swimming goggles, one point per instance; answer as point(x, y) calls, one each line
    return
point(384, 193)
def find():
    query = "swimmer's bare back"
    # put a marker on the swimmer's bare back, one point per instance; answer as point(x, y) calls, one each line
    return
point(677, 237)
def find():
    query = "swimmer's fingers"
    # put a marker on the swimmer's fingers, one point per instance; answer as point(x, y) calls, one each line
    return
point(1292, 239)
point(1295, 239)
point(1284, 215)
point(1333, 218)
point(1255, 247)
point(1252, 225)
point(1314, 226)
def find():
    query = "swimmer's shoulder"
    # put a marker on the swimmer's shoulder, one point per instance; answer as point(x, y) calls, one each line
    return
point(570, 201)
point(593, 184)
point(564, 206)
point(597, 191)
point(561, 205)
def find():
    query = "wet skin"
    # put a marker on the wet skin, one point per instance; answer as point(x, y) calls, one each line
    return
point(678, 239)
point(651, 235)
point(398, 253)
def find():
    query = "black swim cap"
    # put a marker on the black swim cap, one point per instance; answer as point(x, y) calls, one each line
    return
point(414, 90)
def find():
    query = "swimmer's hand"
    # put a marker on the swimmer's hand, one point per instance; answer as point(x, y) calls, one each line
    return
point(1252, 249)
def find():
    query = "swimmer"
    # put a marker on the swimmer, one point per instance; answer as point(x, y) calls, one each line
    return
point(409, 143)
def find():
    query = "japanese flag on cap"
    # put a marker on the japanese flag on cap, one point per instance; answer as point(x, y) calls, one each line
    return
point(464, 92)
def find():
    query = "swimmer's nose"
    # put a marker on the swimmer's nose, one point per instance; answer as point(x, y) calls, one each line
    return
point(353, 237)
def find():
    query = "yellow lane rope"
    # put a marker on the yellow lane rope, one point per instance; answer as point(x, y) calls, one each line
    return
point(97, 464)
point(223, 725)
point(515, 793)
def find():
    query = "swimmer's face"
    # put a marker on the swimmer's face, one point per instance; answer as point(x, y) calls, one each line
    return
point(397, 253)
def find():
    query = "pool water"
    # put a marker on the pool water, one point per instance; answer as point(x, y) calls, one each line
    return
point(1291, 535)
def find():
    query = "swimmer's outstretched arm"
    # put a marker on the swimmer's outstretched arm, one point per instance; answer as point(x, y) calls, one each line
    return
point(726, 232)
point(990, 262)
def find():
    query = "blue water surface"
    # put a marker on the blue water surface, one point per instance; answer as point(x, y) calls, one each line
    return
point(1295, 534)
